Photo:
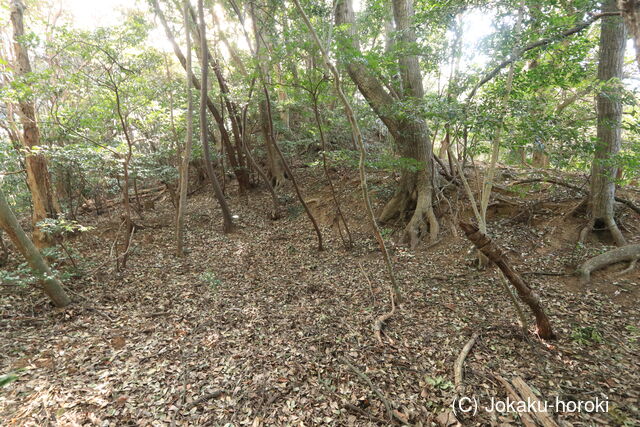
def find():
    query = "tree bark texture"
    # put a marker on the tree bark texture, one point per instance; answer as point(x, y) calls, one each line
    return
point(609, 110)
point(38, 178)
point(415, 190)
point(51, 286)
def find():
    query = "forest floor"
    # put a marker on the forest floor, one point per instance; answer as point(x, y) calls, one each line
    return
point(259, 328)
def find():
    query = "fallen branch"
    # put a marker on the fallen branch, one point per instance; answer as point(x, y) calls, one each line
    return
point(458, 369)
point(629, 253)
point(549, 181)
point(529, 396)
point(495, 254)
point(353, 408)
point(524, 417)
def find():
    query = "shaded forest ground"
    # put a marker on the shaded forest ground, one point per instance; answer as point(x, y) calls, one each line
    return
point(265, 318)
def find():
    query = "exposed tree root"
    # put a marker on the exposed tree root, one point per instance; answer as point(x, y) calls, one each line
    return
point(544, 417)
point(458, 370)
point(611, 226)
point(413, 192)
point(625, 253)
point(387, 403)
point(625, 202)
point(208, 396)
point(379, 323)
point(632, 265)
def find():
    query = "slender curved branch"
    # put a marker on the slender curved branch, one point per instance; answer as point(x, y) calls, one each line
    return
point(542, 42)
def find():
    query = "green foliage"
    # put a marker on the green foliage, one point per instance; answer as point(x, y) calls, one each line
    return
point(7, 379)
point(439, 382)
point(61, 227)
point(586, 335)
point(209, 278)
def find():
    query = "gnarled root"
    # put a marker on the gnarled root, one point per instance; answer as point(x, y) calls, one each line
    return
point(611, 226)
point(626, 253)
point(413, 190)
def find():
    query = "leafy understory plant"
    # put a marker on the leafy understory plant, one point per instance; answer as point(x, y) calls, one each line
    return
point(439, 382)
point(58, 229)
point(210, 278)
point(586, 335)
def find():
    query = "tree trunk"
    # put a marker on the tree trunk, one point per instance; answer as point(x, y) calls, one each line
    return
point(4, 254)
point(38, 178)
point(415, 190)
point(235, 155)
point(274, 163)
point(186, 153)
point(609, 109)
point(631, 13)
point(226, 213)
point(240, 172)
point(51, 286)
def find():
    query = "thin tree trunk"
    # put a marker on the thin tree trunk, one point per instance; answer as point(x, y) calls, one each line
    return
point(51, 286)
point(276, 167)
point(263, 75)
point(4, 251)
point(609, 109)
point(129, 226)
point(240, 172)
point(226, 213)
point(487, 185)
point(38, 178)
point(186, 153)
point(348, 244)
point(232, 109)
point(394, 290)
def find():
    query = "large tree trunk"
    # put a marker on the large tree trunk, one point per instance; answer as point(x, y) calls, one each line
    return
point(51, 286)
point(631, 13)
point(410, 132)
point(36, 164)
point(609, 109)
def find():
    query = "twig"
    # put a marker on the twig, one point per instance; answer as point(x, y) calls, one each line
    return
point(101, 313)
point(379, 323)
point(360, 411)
point(458, 369)
point(204, 398)
point(544, 273)
point(387, 404)
point(364, 273)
